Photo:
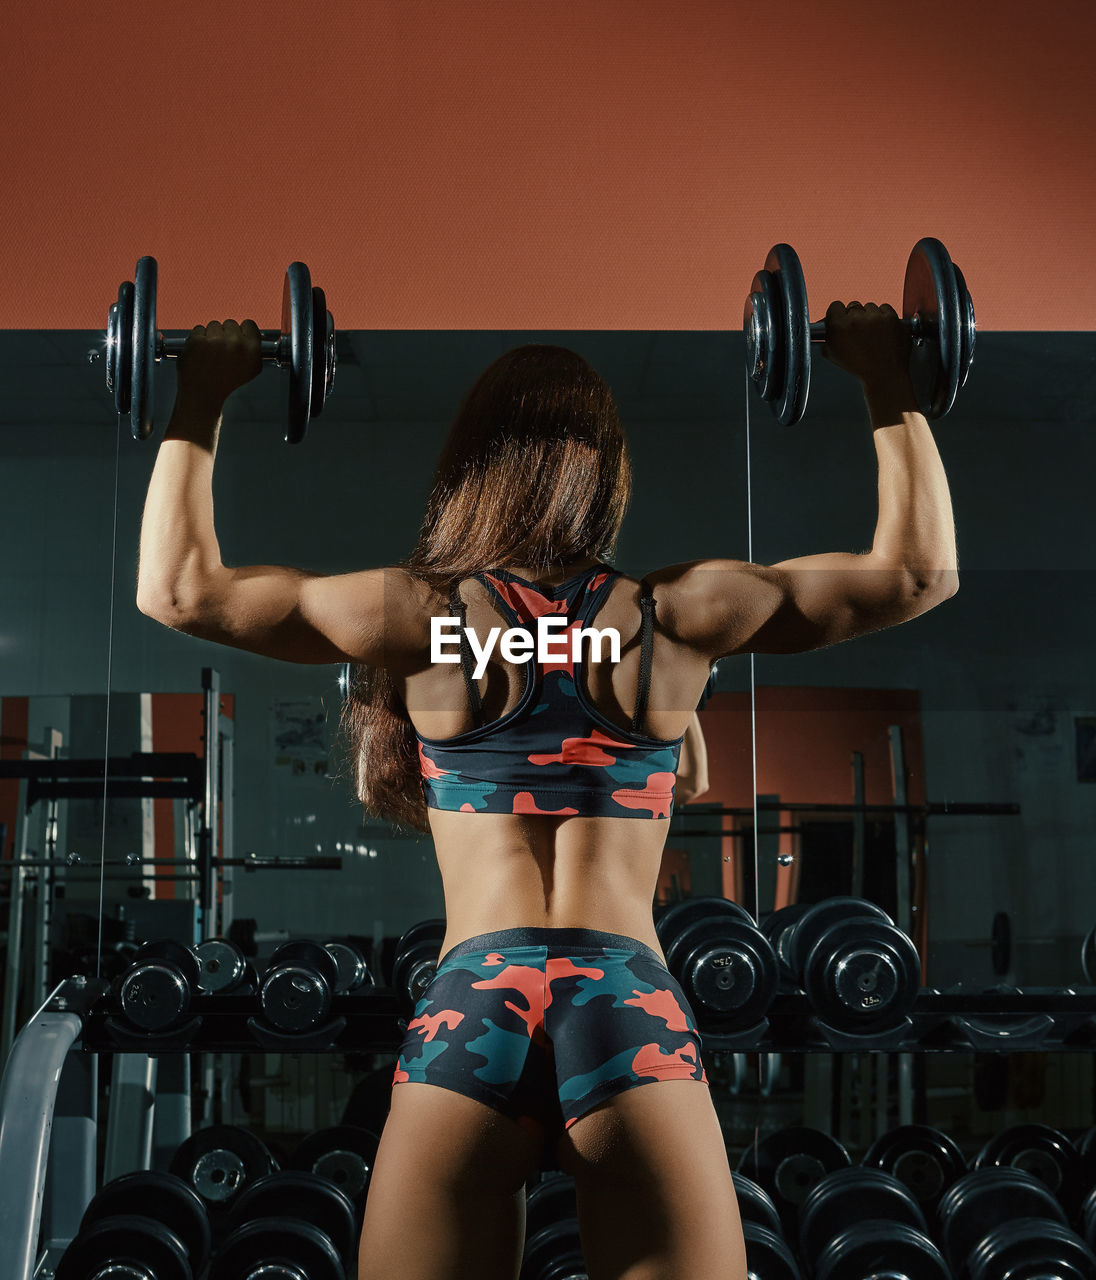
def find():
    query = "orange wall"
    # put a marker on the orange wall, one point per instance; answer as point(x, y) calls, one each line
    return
point(624, 164)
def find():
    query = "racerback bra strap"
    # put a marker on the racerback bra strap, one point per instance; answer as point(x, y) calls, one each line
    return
point(457, 609)
point(647, 604)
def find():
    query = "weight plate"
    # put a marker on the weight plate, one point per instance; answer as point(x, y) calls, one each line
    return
point(554, 1253)
point(728, 971)
point(755, 1204)
point(120, 348)
point(343, 1154)
point(777, 927)
point(923, 1159)
point(862, 974)
point(105, 1249)
point(1031, 1249)
point(162, 1197)
point(551, 1202)
point(986, 1198)
point(266, 1242)
point(796, 323)
point(931, 293)
point(223, 967)
point(319, 352)
point(767, 1256)
point(353, 972)
point(789, 1162)
point(1043, 1152)
point(143, 348)
point(297, 323)
point(968, 329)
point(884, 1250)
point(219, 1161)
point(416, 959)
point(331, 359)
point(762, 326)
point(846, 1197)
point(295, 1194)
point(1088, 957)
point(815, 921)
point(678, 917)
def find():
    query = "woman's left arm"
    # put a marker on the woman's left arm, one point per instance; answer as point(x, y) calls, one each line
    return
point(269, 609)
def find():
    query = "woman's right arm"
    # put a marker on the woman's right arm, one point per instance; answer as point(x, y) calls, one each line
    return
point(723, 607)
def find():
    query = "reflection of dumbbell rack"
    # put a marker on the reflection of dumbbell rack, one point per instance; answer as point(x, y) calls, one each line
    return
point(171, 1002)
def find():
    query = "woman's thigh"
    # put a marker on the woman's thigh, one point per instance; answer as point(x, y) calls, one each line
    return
point(446, 1197)
point(655, 1192)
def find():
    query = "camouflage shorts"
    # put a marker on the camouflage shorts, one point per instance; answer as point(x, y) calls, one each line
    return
point(545, 1024)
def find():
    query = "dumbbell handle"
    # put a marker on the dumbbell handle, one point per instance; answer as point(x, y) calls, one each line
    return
point(273, 345)
point(914, 324)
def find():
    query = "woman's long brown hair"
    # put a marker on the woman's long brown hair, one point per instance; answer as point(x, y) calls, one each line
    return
point(535, 471)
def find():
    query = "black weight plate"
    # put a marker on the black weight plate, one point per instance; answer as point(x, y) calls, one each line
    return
point(755, 1204)
point(552, 1201)
point(862, 975)
point(796, 383)
point(676, 918)
point(789, 1162)
point(143, 348)
point(295, 1194)
point(986, 1198)
point(968, 328)
point(219, 1161)
point(120, 348)
point(1031, 1249)
point(1043, 1152)
point(925, 1160)
point(297, 323)
point(353, 972)
point(223, 967)
point(342, 1154)
point(777, 927)
point(319, 352)
point(330, 357)
point(767, 1256)
point(881, 1249)
point(1088, 957)
point(931, 292)
point(846, 1197)
point(162, 1197)
point(554, 1253)
point(814, 922)
point(270, 1241)
point(110, 1243)
point(416, 956)
point(728, 970)
point(762, 323)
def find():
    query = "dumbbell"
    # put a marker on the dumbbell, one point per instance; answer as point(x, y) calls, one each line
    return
point(553, 1250)
point(305, 345)
point(1003, 1222)
point(788, 1163)
point(224, 971)
point(1043, 1152)
point(218, 1163)
point(936, 308)
point(344, 1155)
point(926, 1162)
point(289, 1225)
point(860, 972)
point(142, 1226)
point(155, 990)
point(353, 970)
point(297, 986)
point(777, 927)
point(416, 960)
point(725, 965)
point(859, 1222)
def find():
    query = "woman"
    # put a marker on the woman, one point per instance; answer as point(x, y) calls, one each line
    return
point(552, 1023)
